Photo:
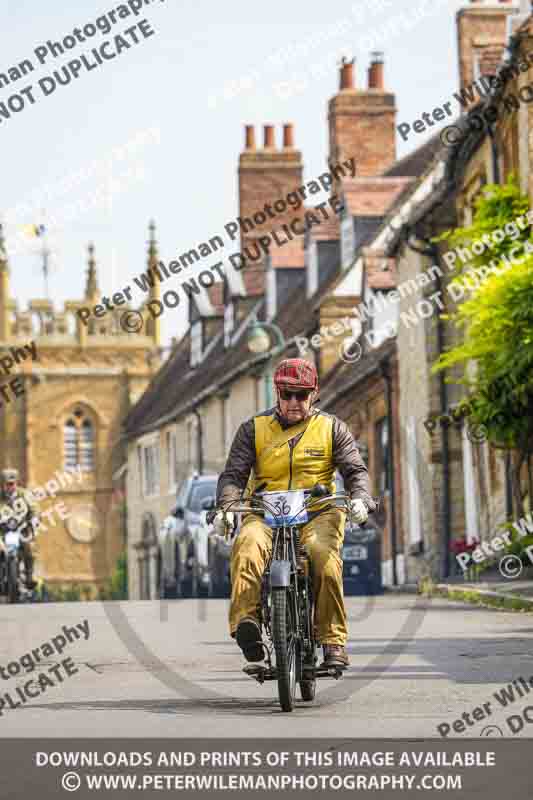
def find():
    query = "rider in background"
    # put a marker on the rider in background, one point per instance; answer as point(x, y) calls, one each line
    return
point(13, 503)
point(293, 446)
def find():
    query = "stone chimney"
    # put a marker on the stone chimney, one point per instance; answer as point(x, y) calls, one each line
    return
point(266, 175)
point(362, 121)
point(482, 37)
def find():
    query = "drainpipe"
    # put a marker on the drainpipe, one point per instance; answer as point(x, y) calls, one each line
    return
point(494, 155)
point(385, 368)
point(431, 250)
point(496, 178)
point(200, 446)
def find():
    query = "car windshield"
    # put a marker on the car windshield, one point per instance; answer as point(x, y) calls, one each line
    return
point(199, 493)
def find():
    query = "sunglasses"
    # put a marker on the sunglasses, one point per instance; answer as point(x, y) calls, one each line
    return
point(301, 396)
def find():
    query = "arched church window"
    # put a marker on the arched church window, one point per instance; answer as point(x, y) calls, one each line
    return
point(78, 442)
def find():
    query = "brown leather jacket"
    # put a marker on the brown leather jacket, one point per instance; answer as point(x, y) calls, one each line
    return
point(241, 459)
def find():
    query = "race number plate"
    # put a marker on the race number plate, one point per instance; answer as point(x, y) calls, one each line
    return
point(285, 508)
point(12, 539)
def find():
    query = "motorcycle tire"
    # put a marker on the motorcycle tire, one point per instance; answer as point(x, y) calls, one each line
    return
point(284, 647)
point(12, 581)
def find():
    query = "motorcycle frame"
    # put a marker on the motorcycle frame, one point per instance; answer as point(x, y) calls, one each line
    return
point(282, 572)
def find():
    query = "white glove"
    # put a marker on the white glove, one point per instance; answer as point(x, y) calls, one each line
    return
point(224, 522)
point(358, 511)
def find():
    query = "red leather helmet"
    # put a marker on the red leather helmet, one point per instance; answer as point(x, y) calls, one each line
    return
point(297, 373)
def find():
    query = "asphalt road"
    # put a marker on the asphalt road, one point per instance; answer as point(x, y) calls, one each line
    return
point(169, 668)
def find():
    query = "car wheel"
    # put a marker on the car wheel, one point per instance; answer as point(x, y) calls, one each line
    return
point(219, 576)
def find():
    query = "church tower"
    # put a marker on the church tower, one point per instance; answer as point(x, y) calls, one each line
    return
point(62, 430)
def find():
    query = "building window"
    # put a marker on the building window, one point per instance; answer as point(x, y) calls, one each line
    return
point(271, 293)
point(229, 323)
point(172, 461)
point(140, 465)
point(382, 456)
point(192, 443)
point(347, 241)
point(150, 469)
point(196, 343)
point(78, 442)
point(311, 257)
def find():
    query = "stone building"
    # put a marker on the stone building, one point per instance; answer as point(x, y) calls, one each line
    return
point(75, 394)
point(461, 486)
point(314, 299)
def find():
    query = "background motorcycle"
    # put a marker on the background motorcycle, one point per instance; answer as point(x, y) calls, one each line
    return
point(15, 533)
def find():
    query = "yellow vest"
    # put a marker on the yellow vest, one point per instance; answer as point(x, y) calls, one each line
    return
point(283, 467)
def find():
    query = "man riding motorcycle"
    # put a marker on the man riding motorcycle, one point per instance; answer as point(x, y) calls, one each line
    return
point(21, 510)
point(292, 446)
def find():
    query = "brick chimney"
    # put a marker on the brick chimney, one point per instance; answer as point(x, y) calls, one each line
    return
point(482, 37)
point(362, 121)
point(266, 175)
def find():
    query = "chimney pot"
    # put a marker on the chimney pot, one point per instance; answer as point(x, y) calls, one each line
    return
point(269, 136)
point(375, 72)
point(288, 135)
point(347, 74)
point(250, 137)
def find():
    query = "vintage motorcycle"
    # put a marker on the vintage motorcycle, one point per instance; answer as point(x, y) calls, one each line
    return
point(287, 602)
point(14, 533)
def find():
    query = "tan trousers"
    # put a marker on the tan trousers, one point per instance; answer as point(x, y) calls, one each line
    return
point(323, 537)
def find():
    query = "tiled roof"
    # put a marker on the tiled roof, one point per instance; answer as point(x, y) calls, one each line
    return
point(339, 379)
point(372, 196)
point(176, 387)
point(416, 162)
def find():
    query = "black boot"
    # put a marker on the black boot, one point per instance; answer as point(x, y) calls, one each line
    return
point(30, 583)
point(248, 635)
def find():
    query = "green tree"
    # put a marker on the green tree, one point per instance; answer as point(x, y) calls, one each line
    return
point(116, 587)
point(497, 320)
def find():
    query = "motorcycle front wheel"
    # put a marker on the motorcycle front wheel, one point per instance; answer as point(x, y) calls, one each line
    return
point(285, 647)
point(12, 581)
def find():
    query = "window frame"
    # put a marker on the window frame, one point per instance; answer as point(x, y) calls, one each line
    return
point(85, 451)
point(382, 456)
point(196, 342)
point(151, 467)
point(172, 456)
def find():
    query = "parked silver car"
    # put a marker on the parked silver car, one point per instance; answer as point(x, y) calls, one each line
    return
point(183, 540)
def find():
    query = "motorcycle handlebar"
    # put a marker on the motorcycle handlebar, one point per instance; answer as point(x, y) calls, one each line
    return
point(210, 516)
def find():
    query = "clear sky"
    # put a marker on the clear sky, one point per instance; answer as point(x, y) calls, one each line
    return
point(174, 89)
